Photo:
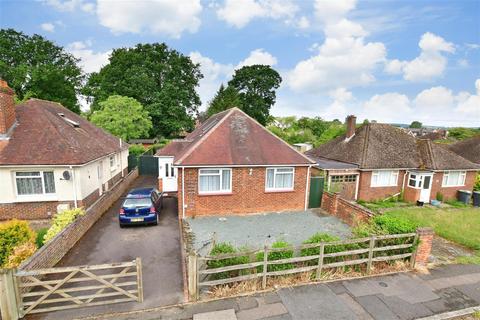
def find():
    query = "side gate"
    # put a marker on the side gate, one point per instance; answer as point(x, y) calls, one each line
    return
point(148, 165)
point(53, 289)
point(316, 192)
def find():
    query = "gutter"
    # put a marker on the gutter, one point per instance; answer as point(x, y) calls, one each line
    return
point(183, 193)
point(74, 188)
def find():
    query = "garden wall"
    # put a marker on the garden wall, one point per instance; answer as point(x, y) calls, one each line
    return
point(347, 211)
point(54, 250)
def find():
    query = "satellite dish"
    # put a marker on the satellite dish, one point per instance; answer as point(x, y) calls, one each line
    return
point(66, 175)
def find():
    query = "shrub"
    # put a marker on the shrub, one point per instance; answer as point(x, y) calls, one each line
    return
point(476, 186)
point(136, 149)
point(439, 196)
point(61, 220)
point(456, 204)
point(12, 234)
point(21, 253)
point(277, 255)
point(225, 248)
point(395, 225)
point(39, 241)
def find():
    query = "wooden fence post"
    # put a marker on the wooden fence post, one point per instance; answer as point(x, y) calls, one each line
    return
point(320, 260)
point(192, 276)
point(139, 279)
point(265, 266)
point(370, 254)
point(8, 295)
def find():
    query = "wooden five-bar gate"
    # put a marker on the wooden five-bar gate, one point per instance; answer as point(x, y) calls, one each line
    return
point(53, 289)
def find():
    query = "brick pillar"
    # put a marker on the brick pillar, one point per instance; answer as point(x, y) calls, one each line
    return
point(335, 197)
point(160, 184)
point(425, 237)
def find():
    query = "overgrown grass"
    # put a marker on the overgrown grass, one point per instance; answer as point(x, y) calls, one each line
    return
point(384, 204)
point(475, 259)
point(458, 225)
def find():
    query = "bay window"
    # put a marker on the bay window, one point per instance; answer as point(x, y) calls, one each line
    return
point(35, 183)
point(454, 178)
point(279, 179)
point(215, 180)
point(384, 178)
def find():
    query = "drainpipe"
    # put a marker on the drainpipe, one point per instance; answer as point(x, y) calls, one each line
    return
point(74, 187)
point(121, 162)
point(306, 187)
point(403, 182)
point(356, 186)
point(183, 192)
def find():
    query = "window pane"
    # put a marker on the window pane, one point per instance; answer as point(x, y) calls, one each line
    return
point(209, 171)
point(226, 179)
point(28, 174)
point(209, 183)
point(270, 173)
point(285, 170)
point(284, 180)
point(27, 186)
point(49, 181)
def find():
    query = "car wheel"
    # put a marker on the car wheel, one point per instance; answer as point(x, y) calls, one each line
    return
point(122, 225)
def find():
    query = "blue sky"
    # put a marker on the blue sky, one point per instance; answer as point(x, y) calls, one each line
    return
point(392, 61)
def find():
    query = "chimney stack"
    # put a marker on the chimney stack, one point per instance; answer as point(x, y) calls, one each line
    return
point(7, 109)
point(350, 122)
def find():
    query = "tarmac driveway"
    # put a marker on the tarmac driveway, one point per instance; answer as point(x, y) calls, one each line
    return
point(158, 246)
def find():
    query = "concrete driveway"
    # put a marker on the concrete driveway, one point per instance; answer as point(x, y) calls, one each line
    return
point(158, 246)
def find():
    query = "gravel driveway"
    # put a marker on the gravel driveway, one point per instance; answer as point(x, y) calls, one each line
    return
point(254, 231)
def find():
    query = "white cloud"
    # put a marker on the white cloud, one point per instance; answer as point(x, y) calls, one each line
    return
point(47, 26)
point(436, 99)
point(71, 5)
point(338, 108)
point(328, 10)
point(90, 61)
point(303, 23)
point(387, 107)
point(155, 16)
point(258, 56)
point(239, 13)
point(469, 104)
point(430, 64)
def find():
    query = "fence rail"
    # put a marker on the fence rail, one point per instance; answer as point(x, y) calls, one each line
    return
point(329, 255)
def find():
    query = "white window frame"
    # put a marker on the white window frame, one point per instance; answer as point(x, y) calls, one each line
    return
point(220, 173)
point(376, 173)
point(113, 161)
point(35, 195)
point(274, 177)
point(417, 179)
point(446, 176)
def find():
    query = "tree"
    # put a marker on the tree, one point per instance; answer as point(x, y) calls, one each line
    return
point(416, 125)
point(256, 86)
point(123, 117)
point(35, 67)
point(224, 99)
point(161, 79)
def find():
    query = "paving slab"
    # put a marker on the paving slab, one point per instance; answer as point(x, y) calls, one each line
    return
point(337, 287)
point(262, 311)
point(228, 314)
point(471, 290)
point(376, 308)
point(450, 270)
point(270, 297)
point(355, 307)
point(315, 302)
point(455, 299)
point(441, 283)
point(245, 303)
point(405, 310)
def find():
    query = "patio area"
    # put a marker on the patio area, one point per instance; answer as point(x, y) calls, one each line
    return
point(253, 231)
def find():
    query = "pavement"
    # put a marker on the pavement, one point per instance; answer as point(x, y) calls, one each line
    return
point(158, 246)
point(253, 231)
point(398, 296)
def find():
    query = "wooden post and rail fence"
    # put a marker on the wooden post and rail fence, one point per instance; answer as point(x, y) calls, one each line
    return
point(25, 292)
point(414, 247)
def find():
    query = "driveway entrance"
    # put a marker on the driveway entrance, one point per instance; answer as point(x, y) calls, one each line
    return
point(158, 246)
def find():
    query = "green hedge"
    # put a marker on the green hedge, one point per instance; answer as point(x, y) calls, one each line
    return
point(61, 220)
point(12, 234)
point(221, 249)
point(287, 254)
point(395, 225)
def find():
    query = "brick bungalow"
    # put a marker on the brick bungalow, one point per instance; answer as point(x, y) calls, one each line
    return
point(376, 161)
point(468, 148)
point(51, 158)
point(233, 165)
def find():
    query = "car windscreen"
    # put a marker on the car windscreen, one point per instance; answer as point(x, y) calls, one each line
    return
point(137, 202)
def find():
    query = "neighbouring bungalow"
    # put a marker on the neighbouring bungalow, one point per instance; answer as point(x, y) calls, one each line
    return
point(231, 164)
point(468, 148)
point(52, 159)
point(376, 161)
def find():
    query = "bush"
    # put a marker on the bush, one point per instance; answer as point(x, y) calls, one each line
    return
point(395, 225)
point(20, 253)
point(476, 186)
point(439, 196)
point(12, 234)
point(136, 149)
point(39, 241)
point(225, 248)
point(61, 220)
point(278, 255)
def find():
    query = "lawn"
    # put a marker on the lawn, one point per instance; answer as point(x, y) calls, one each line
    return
point(460, 225)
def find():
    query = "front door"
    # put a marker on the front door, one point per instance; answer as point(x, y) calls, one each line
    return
point(426, 187)
point(168, 173)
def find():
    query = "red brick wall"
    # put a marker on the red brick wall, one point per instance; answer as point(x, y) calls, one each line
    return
point(368, 193)
point(347, 211)
point(7, 107)
point(425, 238)
point(248, 194)
point(450, 192)
point(411, 194)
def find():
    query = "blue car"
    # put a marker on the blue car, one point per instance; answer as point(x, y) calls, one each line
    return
point(141, 206)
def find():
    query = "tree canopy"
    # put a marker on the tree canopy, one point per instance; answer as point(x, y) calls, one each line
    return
point(416, 125)
point(256, 87)
point(224, 99)
point(161, 79)
point(36, 67)
point(123, 117)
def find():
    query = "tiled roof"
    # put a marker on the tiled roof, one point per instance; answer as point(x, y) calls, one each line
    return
point(382, 146)
point(232, 138)
point(44, 137)
point(469, 148)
